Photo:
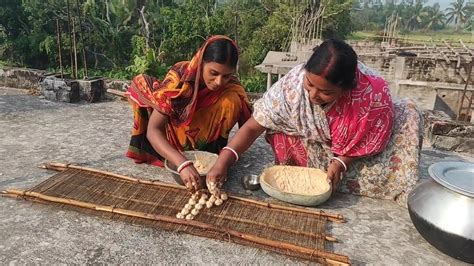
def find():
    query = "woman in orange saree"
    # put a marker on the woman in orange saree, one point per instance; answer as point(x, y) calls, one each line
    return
point(193, 108)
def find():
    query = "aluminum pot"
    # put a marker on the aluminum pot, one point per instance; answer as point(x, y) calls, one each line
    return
point(442, 209)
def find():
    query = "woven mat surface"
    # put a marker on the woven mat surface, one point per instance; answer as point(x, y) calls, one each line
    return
point(300, 229)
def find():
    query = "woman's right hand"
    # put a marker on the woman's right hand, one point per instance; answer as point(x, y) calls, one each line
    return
point(191, 178)
point(217, 174)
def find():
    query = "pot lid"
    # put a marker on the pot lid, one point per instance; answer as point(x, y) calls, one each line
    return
point(456, 176)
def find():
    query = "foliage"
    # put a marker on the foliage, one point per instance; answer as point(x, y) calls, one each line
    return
point(124, 38)
point(368, 15)
point(144, 58)
point(457, 13)
point(254, 83)
point(436, 18)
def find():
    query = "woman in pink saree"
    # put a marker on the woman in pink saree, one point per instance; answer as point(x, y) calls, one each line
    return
point(336, 114)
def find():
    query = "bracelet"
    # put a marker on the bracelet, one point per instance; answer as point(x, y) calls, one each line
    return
point(236, 155)
point(183, 165)
point(341, 162)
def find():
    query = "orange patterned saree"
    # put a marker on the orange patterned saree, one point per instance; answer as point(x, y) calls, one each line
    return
point(199, 118)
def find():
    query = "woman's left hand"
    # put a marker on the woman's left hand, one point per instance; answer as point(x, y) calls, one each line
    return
point(334, 174)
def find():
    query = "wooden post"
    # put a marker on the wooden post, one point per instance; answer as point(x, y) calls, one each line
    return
point(74, 48)
point(84, 60)
point(73, 75)
point(58, 30)
point(459, 117)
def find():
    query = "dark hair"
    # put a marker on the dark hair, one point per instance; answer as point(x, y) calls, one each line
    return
point(222, 52)
point(335, 61)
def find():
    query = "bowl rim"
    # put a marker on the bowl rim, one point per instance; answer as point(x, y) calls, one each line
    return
point(167, 167)
point(305, 196)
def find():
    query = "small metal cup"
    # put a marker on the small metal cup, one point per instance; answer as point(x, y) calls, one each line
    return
point(251, 182)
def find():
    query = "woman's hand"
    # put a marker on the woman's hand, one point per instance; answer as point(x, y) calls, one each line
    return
point(334, 174)
point(217, 174)
point(191, 178)
point(156, 135)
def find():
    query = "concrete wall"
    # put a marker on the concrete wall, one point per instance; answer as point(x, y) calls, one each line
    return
point(21, 78)
point(452, 135)
point(432, 95)
point(414, 68)
point(51, 86)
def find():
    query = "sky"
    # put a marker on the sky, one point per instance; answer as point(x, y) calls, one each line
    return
point(442, 3)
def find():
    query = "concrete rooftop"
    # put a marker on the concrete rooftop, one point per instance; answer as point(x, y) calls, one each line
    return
point(34, 131)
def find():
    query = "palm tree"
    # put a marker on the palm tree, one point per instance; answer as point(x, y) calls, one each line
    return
point(457, 13)
point(417, 14)
point(435, 17)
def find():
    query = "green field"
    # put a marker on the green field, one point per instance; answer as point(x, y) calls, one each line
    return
point(422, 37)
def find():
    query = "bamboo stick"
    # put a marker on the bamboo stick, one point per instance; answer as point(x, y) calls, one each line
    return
point(469, 50)
point(61, 167)
point(84, 56)
point(74, 47)
point(332, 217)
point(459, 114)
point(117, 92)
point(73, 75)
point(329, 257)
point(58, 30)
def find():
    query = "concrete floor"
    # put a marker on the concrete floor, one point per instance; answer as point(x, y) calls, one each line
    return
point(34, 131)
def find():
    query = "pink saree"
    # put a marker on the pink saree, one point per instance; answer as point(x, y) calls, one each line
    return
point(363, 123)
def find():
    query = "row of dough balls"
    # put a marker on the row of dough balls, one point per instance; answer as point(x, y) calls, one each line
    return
point(192, 208)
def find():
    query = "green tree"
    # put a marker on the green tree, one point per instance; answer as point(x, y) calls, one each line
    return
point(417, 13)
point(13, 25)
point(457, 13)
point(337, 19)
point(435, 17)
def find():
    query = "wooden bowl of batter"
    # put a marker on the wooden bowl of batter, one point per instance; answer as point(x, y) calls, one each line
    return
point(297, 185)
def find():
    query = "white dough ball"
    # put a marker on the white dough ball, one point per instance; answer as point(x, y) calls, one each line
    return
point(218, 202)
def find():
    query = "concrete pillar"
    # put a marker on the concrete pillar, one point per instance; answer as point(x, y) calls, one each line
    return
point(279, 76)
point(400, 68)
point(269, 80)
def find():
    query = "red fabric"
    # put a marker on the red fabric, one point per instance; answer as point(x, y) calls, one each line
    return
point(361, 120)
point(288, 150)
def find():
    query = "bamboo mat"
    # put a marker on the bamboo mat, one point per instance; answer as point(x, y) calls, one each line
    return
point(291, 231)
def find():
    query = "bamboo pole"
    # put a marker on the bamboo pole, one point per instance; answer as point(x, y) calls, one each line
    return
point(82, 40)
point(73, 75)
point(117, 93)
point(328, 257)
point(467, 49)
point(463, 96)
point(331, 217)
point(74, 47)
point(61, 167)
point(58, 30)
